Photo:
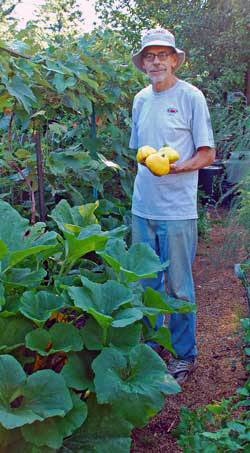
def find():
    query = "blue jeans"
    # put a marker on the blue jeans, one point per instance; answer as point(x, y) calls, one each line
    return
point(176, 241)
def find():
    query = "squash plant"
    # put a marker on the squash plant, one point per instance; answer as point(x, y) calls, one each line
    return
point(75, 374)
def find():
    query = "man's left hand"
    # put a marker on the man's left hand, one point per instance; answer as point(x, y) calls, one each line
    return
point(204, 157)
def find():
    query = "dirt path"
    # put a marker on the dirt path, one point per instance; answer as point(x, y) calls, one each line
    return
point(221, 302)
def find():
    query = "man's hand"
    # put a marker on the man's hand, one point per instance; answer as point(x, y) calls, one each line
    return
point(204, 157)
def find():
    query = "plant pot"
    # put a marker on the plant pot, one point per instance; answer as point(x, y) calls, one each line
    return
point(209, 183)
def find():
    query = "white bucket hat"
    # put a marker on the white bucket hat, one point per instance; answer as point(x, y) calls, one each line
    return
point(157, 37)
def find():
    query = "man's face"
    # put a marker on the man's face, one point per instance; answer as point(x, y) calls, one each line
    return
point(159, 62)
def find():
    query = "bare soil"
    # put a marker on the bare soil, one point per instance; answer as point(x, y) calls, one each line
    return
point(221, 303)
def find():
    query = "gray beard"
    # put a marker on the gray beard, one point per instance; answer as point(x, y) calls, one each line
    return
point(157, 78)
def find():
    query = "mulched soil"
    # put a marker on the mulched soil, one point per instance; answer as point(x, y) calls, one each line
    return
point(221, 302)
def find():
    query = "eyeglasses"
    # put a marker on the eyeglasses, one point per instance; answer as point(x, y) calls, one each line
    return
point(161, 55)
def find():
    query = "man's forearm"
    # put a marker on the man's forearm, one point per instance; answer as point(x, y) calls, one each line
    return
point(204, 157)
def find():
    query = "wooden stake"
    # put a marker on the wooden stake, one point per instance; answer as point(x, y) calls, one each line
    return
point(39, 161)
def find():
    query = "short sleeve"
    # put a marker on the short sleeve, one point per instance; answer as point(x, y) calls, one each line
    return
point(201, 122)
point(133, 143)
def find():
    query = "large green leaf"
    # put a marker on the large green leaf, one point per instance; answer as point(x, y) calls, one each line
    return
point(39, 306)
point(21, 91)
point(125, 317)
point(2, 295)
point(180, 305)
point(160, 303)
point(13, 237)
point(117, 232)
point(155, 303)
point(36, 241)
point(12, 332)
point(123, 338)
point(77, 372)
point(92, 335)
point(91, 238)
point(24, 277)
point(100, 300)
point(10, 306)
point(103, 431)
point(53, 430)
point(81, 216)
point(61, 83)
point(21, 239)
point(12, 375)
point(25, 400)
point(138, 380)
point(37, 235)
point(140, 261)
point(163, 337)
point(20, 255)
point(60, 337)
point(56, 66)
point(3, 250)
point(61, 163)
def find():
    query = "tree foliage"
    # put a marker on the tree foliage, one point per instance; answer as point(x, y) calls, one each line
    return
point(214, 34)
point(77, 95)
point(7, 22)
point(59, 20)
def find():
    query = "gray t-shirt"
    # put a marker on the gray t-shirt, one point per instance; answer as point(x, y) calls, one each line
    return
point(178, 117)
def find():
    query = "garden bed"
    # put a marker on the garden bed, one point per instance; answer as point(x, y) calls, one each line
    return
point(221, 301)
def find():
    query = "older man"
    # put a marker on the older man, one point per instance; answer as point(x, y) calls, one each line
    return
point(164, 209)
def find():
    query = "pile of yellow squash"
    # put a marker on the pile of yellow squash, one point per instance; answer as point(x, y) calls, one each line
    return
point(158, 162)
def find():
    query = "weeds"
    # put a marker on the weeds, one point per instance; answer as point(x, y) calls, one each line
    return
point(222, 426)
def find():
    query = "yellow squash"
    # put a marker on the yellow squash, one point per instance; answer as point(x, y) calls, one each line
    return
point(158, 163)
point(171, 153)
point(144, 152)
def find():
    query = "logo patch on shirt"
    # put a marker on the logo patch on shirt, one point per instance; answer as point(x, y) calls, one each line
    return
point(172, 110)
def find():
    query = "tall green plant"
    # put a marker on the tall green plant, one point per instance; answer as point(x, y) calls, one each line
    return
point(70, 97)
point(231, 122)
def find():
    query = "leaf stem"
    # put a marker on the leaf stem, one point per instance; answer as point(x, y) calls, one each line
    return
point(104, 336)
